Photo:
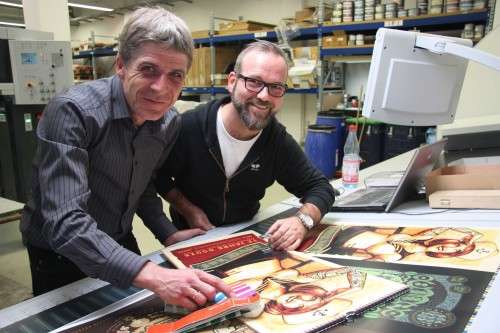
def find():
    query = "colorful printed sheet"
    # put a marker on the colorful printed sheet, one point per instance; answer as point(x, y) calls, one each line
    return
point(299, 293)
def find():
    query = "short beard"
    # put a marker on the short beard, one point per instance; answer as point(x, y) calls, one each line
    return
point(246, 117)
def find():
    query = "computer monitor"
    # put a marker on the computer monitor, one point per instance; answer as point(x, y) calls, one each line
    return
point(415, 79)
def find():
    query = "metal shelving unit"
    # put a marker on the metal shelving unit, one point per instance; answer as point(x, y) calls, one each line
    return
point(223, 90)
point(101, 52)
point(94, 52)
point(309, 33)
point(326, 28)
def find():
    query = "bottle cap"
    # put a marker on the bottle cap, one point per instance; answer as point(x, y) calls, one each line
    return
point(353, 128)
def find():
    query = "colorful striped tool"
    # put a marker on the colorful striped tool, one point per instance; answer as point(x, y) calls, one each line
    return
point(240, 289)
point(211, 315)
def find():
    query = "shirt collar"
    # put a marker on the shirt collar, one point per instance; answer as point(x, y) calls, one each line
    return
point(120, 106)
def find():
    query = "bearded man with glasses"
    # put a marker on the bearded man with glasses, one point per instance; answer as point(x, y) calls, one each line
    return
point(230, 150)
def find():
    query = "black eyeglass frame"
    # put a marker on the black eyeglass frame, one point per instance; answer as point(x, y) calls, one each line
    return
point(264, 85)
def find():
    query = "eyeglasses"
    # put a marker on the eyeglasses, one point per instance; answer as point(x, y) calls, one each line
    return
point(256, 86)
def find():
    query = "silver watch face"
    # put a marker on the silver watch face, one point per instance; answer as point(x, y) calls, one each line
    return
point(306, 220)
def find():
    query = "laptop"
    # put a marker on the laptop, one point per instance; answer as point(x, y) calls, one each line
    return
point(386, 198)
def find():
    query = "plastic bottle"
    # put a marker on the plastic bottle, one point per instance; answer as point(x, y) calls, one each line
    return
point(351, 160)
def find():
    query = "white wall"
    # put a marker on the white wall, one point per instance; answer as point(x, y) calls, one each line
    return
point(479, 105)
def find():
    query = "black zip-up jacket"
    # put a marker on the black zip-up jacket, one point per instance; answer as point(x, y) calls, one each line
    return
point(195, 167)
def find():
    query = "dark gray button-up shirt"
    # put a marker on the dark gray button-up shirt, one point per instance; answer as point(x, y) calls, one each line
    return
point(93, 171)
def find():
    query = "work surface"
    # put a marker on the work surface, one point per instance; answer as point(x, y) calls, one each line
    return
point(58, 307)
point(9, 210)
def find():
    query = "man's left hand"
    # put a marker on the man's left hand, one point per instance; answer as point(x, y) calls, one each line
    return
point(181, 235)
point(287, 234)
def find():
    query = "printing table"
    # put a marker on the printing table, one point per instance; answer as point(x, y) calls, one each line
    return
point(410, 213)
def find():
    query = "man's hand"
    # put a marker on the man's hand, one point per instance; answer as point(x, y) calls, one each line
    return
point(286, 234)
point(196, 218)
point(194, 215)
point(179, 236)
point(188, 288)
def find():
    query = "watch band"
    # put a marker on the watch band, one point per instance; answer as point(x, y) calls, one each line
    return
point(305, 219)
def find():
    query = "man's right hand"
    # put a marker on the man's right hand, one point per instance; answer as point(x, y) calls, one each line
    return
point(189, 288)
point(196, 218)
point(194, 215)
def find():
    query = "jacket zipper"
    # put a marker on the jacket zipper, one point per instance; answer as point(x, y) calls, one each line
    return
point(226, 185)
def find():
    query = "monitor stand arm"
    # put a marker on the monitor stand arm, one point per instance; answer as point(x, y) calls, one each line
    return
point(443, 45)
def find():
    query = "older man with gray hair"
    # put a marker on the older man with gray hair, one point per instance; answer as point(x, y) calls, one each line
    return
point(99, 146)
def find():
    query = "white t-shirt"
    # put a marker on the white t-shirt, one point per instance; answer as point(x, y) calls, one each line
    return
point(233, 150)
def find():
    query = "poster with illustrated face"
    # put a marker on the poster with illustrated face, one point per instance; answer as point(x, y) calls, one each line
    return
point(456, 247)
point(298, 293)
point(141, 315)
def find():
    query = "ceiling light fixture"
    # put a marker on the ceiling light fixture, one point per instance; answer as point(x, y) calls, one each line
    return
point(11, 4)
point(22, 25)
point(78, 5)
point(71, 4)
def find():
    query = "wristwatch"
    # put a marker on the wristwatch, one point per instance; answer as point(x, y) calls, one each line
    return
point(305, 219)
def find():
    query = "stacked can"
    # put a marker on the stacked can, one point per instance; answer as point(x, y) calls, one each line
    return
point(369, 10)
point(412, 11)
point(436, 7)
point(347, 7)
point(451, 6)
point(379, 12)
point(337, 13)
point(402, 12)
point(468, 31)
point(479, 31)
point(465, 5)
point(352, 40)
point(360, 39)
point(391, 10)
point(359, 10)
point(422, 7)
point(479, 4)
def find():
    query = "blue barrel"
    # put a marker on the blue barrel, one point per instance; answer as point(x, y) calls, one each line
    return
point(339, 121)
point(321, 148)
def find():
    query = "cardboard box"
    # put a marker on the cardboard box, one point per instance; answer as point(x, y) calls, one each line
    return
point(330, 100)
point(484, 199)
point(244, 26)
point(202, 33)
point(464, 186)
point(199, 74)
point(307, 52)
point(338, 39)
point(306, 14)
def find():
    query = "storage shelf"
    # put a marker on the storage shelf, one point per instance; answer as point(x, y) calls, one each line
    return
point(400, 23)
point(102, 52)
point(267, 35)
point(223, 90)
point(347, 51)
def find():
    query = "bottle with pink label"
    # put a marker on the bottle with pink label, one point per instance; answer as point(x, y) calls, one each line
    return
point(351, 160)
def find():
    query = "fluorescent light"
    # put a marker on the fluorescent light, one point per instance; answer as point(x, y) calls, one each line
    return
point(13, 24)
point(12, 4)
point(71, 4)
point(104, 9)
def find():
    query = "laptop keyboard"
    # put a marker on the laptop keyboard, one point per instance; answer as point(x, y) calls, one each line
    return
point(368, 197)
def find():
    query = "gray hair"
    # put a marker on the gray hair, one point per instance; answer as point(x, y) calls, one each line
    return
point(262, 46)
point(157, 25)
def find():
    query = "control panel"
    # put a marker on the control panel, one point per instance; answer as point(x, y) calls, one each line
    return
point(40, 69)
